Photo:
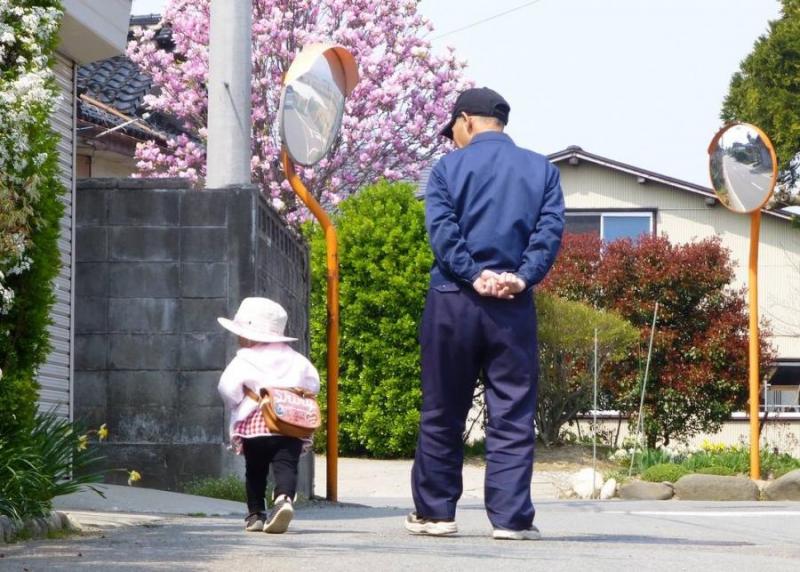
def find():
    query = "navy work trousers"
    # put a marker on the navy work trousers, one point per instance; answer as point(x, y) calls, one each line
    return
point(462, 335)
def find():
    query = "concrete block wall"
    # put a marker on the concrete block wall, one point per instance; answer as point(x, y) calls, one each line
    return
point(156, 264)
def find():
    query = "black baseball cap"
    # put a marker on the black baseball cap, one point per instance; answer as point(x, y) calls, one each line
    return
point(478, 101)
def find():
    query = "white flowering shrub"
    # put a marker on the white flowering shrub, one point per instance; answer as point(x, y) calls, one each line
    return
point(30, 208)
point(27, 94)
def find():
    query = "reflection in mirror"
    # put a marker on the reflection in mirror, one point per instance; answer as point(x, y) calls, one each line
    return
point(743, 169)
point(311, 110)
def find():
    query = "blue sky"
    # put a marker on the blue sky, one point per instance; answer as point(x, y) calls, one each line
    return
point(638, 81)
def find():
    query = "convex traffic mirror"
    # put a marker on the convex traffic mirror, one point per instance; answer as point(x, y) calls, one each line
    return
point(312, 101)
point(744, 168)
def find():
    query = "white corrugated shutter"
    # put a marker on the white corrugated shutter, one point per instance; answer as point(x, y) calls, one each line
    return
point(55, 375)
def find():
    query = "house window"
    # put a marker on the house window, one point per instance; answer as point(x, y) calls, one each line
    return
point(610, 226)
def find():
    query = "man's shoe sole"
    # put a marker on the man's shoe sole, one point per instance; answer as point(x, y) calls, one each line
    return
point(257, 526)
point(280, 522)
point(431, 528)
point(500, 534)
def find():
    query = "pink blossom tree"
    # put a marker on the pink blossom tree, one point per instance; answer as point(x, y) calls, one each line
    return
point(389, 129)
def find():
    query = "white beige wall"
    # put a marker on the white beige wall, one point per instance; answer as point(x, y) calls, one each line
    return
point(684, 217)
point(781, 432)
point(94, 29)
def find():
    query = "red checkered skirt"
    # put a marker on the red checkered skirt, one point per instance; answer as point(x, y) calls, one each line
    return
point(254, 426)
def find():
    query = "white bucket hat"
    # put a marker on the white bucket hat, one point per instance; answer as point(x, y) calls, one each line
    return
point(260, 320)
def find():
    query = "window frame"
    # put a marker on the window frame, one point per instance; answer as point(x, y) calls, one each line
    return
point(618, 212)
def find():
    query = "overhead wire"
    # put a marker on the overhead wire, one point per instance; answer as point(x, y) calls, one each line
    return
point(487, 19)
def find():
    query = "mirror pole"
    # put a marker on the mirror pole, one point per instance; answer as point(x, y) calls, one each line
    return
point(332, 258)
point(755, 458)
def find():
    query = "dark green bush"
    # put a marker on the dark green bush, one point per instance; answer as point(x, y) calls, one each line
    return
point(384, 263)
point(664, 472)
point(49, 461)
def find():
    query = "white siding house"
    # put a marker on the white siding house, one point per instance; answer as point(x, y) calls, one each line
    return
point(614, 199)
point(91, 30)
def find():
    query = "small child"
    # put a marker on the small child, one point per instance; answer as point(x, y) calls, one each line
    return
point(264, 360)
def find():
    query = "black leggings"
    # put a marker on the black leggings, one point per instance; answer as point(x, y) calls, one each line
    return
point(283, 453)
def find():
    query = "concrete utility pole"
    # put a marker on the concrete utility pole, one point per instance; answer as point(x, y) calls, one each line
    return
point(229, 71)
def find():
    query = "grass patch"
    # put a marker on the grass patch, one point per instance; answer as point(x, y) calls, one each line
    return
point(715, 460)
point(668, 472)
point(225, 488)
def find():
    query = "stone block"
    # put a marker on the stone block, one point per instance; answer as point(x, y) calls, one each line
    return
point(91, 279)
point(643, 490)
point(716, 488)
point(143, 351)
point(90, 389)
point(203, 351)
point(204, 279)
point(138, 424)
point(200, 314)
point(785, 488)
point(91, 207)
point(143, 279)
point(91, 351)
point(149, 459)
point(203, 244)
point(197, 424)
point(91, 244)
point(199, 388)
point(144, 207)
point(91, 314)
point(91, 417)
point(305, 476)
point(203, 209)
point(190, 461)
point(145, 389)
point(144, 243)
point(145, 315)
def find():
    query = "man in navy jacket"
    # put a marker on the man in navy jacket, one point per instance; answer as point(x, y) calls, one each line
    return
point(495, 216)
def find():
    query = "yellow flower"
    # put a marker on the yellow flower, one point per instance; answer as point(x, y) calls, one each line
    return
point(134, 476)
point(102, 433)
point(83, 442)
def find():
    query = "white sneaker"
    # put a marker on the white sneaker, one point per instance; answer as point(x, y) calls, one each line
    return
point(418, 525)
point(280, 516)
point(531, 533)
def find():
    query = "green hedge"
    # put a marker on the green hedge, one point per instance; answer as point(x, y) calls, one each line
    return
point(384, 264)
point(31, 211)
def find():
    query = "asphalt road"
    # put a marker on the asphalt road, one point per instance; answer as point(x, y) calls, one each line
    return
point(747, 187)
point(595, 535)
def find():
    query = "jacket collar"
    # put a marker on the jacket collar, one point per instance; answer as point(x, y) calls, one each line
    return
point(490, 136)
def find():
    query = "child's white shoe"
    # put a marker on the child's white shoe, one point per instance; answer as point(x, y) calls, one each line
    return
point(280, 516)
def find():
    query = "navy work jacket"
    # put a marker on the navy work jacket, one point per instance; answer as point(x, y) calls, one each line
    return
point(493, 205)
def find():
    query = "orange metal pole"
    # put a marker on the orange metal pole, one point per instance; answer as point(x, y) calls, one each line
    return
point(755, 458)
point(333, 322)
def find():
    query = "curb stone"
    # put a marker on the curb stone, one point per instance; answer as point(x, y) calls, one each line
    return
point(36, 527)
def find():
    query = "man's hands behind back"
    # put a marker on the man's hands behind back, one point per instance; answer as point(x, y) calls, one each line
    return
point(503, 286)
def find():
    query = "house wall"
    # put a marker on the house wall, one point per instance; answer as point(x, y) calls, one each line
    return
point(685, 217)
point(55, 374)
point(94, 29)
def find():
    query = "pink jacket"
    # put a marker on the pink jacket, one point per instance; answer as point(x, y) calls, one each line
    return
point(261, 366)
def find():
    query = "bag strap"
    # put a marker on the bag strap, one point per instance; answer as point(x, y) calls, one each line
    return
point(296, 390)
point(251, 394)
